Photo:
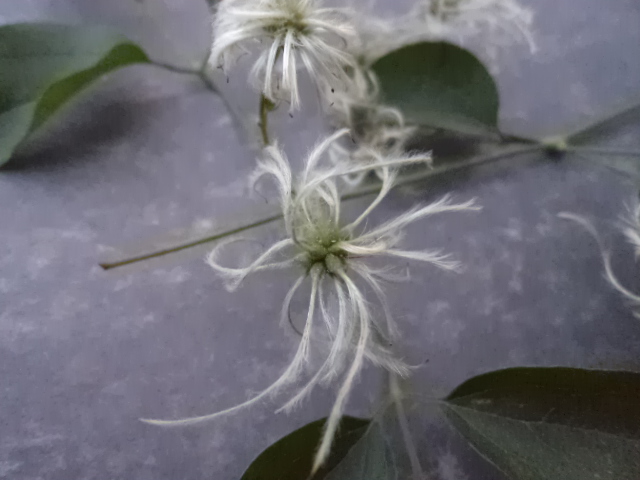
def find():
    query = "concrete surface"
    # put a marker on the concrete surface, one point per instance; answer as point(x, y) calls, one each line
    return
point(150, 156)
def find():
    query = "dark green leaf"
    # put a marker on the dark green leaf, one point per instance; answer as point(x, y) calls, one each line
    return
point(369, 459)
point(440, 85)
point(44, 65)
point(552, 423)
point(291, 457)
point(628, 165)
point(610, 121)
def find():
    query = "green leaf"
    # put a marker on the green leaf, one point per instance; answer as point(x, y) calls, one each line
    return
point(624, 163)
point(440, 85)
point(369, 459)
point(291, 457)
point(43, 66)
point(611, 120)
point(552, 423)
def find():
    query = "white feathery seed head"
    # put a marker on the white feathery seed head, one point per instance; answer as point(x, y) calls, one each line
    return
point(358, 106)
point(501, 22)
point(335, 257)
point(375, 129)
point(284, 34)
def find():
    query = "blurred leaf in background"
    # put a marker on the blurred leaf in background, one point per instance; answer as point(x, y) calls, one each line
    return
point(552, 423)
point(291, 457)
point(437, 84)
point(43, 66)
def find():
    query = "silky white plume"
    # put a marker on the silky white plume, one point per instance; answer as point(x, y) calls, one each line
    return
point(283, 34)
point(334, 257)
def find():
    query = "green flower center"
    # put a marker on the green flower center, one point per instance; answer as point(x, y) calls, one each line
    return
point(323, 247)
point(293, 22)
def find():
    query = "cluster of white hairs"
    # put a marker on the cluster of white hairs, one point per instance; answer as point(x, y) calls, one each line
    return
point(334, 256)
point(340, 259)
point(284, 33)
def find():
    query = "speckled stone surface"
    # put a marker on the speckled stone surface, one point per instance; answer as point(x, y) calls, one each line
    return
point(148, 156)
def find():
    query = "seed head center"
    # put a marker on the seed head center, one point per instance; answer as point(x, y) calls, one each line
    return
point(292, 22)
point(325, 249)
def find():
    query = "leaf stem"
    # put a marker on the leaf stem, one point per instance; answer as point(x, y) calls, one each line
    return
point(371, 190)
point(201, 74)
point(396, 395)
point(492, 135)
point(421, 176)
point(509, 138)
point(195, 243)
point(240, 126)
point(266, 106)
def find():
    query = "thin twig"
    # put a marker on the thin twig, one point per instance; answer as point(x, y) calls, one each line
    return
point(241, 127)
point(396, 395)
point(509, 138)
point(201, 74)
point(266, 106)
point(195, 243)
point(372, 190)
point(419, 177)
point(487, 134)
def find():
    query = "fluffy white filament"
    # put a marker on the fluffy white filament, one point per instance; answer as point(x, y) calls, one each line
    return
point(334, 255)
point(285, 34)
point(376, 130)
point(632, 232)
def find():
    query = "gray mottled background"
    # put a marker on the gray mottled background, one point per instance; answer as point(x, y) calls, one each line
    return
point(147, 157)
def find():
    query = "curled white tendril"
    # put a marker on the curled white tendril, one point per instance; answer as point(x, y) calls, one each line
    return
point(631, 229)
point(336, 257)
